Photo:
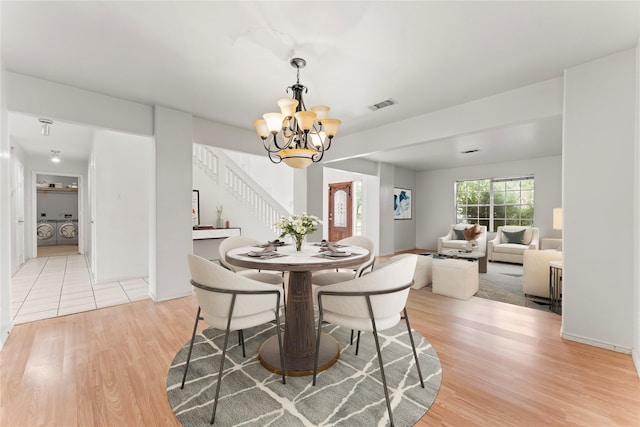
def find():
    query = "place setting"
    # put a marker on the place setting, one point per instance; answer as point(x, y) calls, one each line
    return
point(331, 251)
point(268, 252)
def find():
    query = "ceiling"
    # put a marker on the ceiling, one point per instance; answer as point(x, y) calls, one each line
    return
point(229, 61)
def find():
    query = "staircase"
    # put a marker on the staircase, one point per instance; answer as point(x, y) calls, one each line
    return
point(239, 185)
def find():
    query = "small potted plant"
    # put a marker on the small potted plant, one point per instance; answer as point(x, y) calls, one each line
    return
point(471, 235)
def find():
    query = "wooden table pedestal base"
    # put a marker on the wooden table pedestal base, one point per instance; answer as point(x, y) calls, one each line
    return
point(299, 366)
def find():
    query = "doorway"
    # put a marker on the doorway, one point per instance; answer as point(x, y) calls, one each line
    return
point(340, 211)
point(57, 208)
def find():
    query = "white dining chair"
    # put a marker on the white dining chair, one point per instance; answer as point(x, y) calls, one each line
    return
point(342, 275)
point(231, 302)
point(233, 242)
point(372, 303)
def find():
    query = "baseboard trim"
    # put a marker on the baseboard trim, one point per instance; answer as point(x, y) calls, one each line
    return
point(596, 343)
point(167, 298)
point(4, 333)
point(635, 356)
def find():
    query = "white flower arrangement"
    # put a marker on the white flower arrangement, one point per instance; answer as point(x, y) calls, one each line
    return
point(298, 226)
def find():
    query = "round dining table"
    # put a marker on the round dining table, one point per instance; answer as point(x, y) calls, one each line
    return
point(299, 343)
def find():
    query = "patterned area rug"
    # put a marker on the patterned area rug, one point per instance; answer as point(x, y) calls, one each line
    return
point(349, 393)
point(503, 282)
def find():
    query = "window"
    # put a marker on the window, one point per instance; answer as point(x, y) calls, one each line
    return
point(495, 202)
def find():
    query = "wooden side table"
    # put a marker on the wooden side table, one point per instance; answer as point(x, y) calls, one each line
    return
point(555, 286)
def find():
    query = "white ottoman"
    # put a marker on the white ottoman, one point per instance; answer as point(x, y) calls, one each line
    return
point(455, 278)
point(423, 274)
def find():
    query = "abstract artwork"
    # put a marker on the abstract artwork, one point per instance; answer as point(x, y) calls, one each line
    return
point(401, 203)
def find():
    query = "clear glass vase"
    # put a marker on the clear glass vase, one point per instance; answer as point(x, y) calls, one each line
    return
point(299, 242)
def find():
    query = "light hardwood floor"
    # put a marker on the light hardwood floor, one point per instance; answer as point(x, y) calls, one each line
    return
point(503, 365)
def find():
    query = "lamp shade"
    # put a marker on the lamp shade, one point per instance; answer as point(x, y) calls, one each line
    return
point(261, 128)
point(557, 218)
point(297, 158)
point(274, 121)
point(331, 126)
point(321, 112)
point(305, 119)
point(288, 106)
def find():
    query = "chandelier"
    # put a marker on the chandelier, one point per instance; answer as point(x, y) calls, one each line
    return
point(294, 135)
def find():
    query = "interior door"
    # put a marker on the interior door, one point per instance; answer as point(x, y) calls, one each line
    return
point(340, 211)
point(19, 206)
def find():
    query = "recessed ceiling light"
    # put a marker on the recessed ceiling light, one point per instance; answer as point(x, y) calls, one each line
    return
point(469, 151)
point(55, 156)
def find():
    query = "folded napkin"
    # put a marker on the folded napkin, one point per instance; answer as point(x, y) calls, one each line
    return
point(333, 250)
point(268, 250)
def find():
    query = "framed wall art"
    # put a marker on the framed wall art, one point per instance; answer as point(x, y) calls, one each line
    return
point(402, 203)
point(195, 208)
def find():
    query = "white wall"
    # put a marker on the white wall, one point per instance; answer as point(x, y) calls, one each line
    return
point(435, 201)
point(17, 155)
point(5, 215)
point(598, 146)
point(404, 231)
point(122, 164)
point(636, 215)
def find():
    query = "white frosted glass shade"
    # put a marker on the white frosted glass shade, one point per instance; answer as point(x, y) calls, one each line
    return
point(274, 121)
point(317, 138)
point(305, 119)
point(288, 106)
point(330, 126)
point(297, 158)
point(321, 111)
point(261, 128)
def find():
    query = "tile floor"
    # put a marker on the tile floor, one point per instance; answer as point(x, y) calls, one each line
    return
point(53, 286)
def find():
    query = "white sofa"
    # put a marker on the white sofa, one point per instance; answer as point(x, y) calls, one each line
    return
point(450, 241)
point(500, 249)
point(535, 269)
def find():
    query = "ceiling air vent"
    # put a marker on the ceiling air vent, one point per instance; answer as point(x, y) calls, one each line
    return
point(382, 104)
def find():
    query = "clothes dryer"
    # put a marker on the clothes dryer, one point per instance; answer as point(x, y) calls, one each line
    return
point(46, 232)
point(67, 232)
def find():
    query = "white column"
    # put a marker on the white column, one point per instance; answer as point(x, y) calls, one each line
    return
point(171, 223)
point(386, 173)
point(598, 204)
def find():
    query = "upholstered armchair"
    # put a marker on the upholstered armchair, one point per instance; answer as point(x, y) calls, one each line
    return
point(511, 241)
point(535, 270)
point(455, 239)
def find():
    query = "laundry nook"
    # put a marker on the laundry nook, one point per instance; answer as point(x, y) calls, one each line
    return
point(57, 210)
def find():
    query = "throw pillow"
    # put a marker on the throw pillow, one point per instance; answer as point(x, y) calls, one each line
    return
point(458, 234)
point(514, 236)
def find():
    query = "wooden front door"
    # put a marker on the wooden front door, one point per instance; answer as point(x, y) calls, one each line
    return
point(340, 211)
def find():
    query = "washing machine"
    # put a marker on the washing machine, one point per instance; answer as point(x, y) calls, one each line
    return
point(46, 232)
point(67, 232)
